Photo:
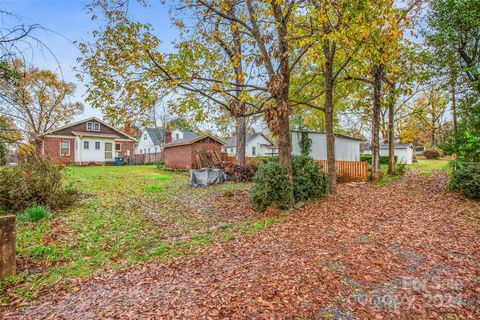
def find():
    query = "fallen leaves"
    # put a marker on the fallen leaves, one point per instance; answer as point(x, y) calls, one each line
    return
point(400, 251)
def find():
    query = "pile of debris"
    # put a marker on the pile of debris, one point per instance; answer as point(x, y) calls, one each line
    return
point(239, 173)
point(235, 172)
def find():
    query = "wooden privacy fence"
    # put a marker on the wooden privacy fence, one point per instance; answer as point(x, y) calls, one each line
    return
point(348, 170)
point(149, 158)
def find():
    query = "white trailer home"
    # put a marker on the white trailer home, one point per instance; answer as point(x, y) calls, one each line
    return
point(346, 148)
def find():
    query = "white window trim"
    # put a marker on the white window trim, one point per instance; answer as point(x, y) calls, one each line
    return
point(94, 126)
point(61, 154)
point(88, 144)
point(99, 145)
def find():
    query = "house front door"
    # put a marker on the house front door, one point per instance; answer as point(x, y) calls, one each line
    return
point(108, 151)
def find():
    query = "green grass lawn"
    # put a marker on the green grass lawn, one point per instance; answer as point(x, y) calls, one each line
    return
point(423, 166)
point(427, 166)
point(130, 214)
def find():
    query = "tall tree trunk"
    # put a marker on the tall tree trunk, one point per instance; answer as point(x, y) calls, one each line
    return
point(391, 131)
point(235, 55)
point(283, 137)
point(281, 89)
point(454, 108)
point(241, 140)
point(328, 87)
point(377, 104)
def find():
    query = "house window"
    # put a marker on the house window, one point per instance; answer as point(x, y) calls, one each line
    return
point(86, 145)
point(89, 126)
point(254, 151)
point(65, 148)
point(97, 145)
point(145, 136)
point(96, 126)
point(118, 147)
point(148, 150)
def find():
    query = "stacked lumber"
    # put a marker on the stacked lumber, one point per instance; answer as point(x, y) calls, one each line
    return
point(207, 159)
point(210, 159)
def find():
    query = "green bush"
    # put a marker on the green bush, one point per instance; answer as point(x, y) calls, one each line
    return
point(433, 153)
point(466, 179)
point(271, 188)
point(38, 182)
point(383, 159)
point(309, 182)
point(35, 213)
point(400, 168)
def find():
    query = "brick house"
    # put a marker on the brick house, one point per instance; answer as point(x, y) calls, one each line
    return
point(85, 142)
point(182, 153)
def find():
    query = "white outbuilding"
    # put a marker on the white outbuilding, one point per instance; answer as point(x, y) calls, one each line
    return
point(256, 144)
point(346, 148)
point(403, 151)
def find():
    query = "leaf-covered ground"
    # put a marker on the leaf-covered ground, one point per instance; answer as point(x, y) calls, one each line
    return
point(409, 250)
point(129, 215)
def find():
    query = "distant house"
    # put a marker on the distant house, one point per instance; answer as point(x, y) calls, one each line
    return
point(346, 148)
point(152, 140)
point(404, 152)
point(84, 142)
point(256, 144)
point(182, 153)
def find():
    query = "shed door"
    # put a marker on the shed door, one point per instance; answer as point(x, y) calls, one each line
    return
point(108, 151)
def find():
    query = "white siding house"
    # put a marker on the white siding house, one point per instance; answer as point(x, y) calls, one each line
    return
point(346, 148)
point(152, 140)
point(257, 144)
point(404, 152)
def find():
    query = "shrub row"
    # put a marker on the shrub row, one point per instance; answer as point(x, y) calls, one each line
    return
point(38, 182)
point(273, 188)
point(383, 159)
point(466, 179)
point(433, 153)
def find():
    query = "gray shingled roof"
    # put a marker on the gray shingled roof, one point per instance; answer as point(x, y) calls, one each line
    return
point(186, 141)
point(156, 134)
point(189, 134)
point(232, 141)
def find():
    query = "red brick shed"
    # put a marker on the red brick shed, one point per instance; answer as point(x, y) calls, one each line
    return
point(181, 154)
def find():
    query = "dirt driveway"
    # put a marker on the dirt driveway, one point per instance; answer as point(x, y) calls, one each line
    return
point(408, 250)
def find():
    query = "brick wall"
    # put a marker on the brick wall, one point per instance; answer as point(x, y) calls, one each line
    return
point(179, 157)
point(126, 145)
point(51, 148)
point(184, 157)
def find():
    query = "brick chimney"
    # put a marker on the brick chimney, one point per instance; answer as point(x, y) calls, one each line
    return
point(168, 137)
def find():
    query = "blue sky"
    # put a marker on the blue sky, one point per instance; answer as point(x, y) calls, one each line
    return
point(69, 21)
